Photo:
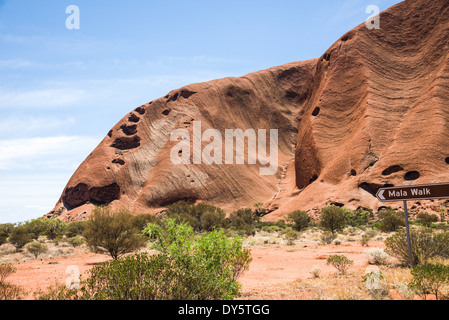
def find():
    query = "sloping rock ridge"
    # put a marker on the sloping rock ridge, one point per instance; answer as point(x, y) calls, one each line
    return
point(373, 111)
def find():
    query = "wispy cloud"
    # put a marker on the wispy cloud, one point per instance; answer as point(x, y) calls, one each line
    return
point(62, 152)
point(45, 98)
point(31, 125)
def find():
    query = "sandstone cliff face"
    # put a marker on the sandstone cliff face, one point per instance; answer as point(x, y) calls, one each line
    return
point(371, 112)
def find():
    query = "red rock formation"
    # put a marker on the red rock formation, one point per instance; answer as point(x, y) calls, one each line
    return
point(372, 111)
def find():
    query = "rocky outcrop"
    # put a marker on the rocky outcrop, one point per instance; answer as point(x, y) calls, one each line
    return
point(371, 112)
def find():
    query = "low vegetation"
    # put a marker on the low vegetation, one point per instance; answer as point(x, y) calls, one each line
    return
point(200, 252)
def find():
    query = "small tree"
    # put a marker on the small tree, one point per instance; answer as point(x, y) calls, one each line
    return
point(8, 291)
point(260, 211)
point(425, 246)
point(391, 220)
point(113, 232)
point(19, 237)
point(341, 263)
point(75, 228)
point(429, 278)
point(427, 219)
point(300, 220)
point(333, 218)
point(6, 269)
point(36, 248)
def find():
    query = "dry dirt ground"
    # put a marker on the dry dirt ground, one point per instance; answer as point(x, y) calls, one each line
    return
point(279, 271)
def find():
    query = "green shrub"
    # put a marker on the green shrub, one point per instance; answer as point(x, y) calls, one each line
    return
point(76, 241)
point(290, 235)
point(6, 270)
point(429, 278)
point(186, 268)
point(6, 228)
point(271, 229)
point(357, 218)
point(36, 227)
point(341, 263)
point(113, 232)
point(8, 291)
point(213, 219)
point(142, 220)
point(19, 237)
point(328, 237)
point(55, 228)
point(427, 219)
point(425, 246)
point(3, 238)
point(333, 218)
point(36, 248)
point(243, 220)
point(300, 220)
point(201, 217)
point(75, 228)
point(52, 228)
point(259, 211)
point(391, 220)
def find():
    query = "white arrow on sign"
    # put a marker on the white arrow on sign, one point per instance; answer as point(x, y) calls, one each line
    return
point(381, 195)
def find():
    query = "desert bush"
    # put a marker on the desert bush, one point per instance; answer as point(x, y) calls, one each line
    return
point(391, 220)
point(356, 218)
point(341, 263)
point(6, 228)
point(186, 268)
point(75, 228)
point(316, 270)
point(429, 278)
point(377, 256)
point(113, 232)
point(201, 217)
point(213, 219)
point(427, 219)
point(142, 220)
point(19, 237)
point(35, 227)
point(76, 241)
point(36, 248)
point(8, 291)
point(259, 210)
point(5, 231)
point(52, 228)
point(299, 219)
point(3, 238)
point(222, 260)
point(6, 270)
point(55, 228)
point(333, 218)
point(365, 240)
point(243, 220)
point(328, 237)
point(271, 229)
point(424, 246)
point(290, 235)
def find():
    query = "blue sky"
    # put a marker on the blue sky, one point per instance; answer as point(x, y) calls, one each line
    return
point(62, 90)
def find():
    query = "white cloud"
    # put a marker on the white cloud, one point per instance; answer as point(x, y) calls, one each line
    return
point(28, 125)
point(26, 196)
point(46, 98)
point(45, 153)
point(15, 64)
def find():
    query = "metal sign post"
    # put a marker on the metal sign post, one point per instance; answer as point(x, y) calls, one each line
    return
point(411, 193)
point(409, 240)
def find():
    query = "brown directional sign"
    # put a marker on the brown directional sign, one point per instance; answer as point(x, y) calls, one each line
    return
point(410, 193)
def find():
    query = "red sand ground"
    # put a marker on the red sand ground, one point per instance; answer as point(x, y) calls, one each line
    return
point(272, 267)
